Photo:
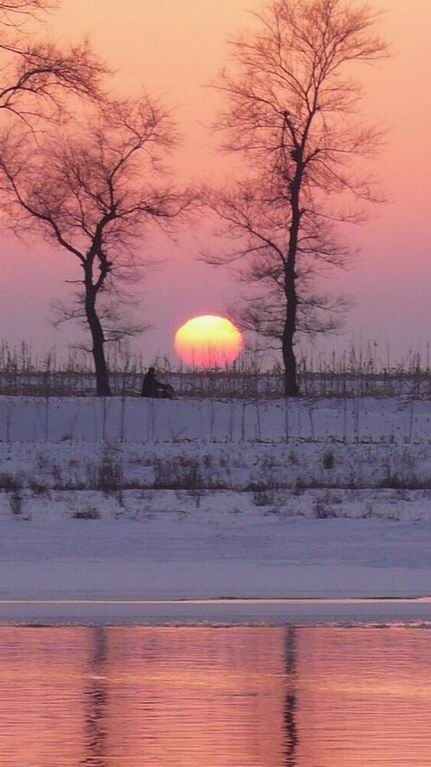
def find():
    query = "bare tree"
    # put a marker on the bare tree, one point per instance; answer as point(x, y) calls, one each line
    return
point(292, 113)
point(13, 12)
point(37, 77)
point(95, 195)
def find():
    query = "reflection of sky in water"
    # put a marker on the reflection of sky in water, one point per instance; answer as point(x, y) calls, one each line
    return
point(236, 697)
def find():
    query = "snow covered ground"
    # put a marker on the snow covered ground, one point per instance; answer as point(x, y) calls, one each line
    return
point(401, 420)
point(170, 556)
point(151, 500)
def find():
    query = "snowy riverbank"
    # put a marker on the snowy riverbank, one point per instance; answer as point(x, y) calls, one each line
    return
point(123, 571)
point(156, 500)
point(270, 451)
point(400, 420)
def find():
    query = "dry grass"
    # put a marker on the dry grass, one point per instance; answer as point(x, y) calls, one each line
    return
point(351, 374)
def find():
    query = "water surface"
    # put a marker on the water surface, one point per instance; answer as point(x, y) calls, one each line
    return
point(215, 697)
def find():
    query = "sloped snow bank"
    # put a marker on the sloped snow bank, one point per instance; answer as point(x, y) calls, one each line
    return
point(294, 458)
point(130, 499)
point(264, 472)
point(281, 504)
point(402, 420)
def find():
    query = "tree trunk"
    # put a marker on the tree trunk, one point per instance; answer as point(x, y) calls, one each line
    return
point(98, 350)
point(291, 388)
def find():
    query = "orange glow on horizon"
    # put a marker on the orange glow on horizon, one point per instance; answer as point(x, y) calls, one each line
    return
point(208, 341)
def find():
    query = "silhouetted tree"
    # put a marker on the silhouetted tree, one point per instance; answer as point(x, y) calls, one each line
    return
point(291, 113)
point(95, 193)
point(37, 77)
point(11, 10)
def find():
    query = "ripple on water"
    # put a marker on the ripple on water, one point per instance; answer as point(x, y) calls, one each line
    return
point(215, 697)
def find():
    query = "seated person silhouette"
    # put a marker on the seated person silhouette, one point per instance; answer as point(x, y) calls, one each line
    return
point(151, 387)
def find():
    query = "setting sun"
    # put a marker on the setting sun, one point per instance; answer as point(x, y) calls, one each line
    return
point(208, 341)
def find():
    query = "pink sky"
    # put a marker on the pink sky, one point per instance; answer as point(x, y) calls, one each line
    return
point(174, 47)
